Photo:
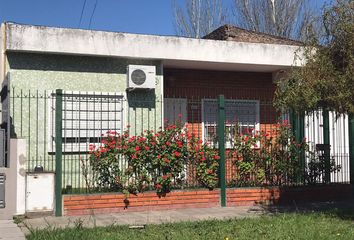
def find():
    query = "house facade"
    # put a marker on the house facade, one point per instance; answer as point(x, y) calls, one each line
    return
point(91, 69)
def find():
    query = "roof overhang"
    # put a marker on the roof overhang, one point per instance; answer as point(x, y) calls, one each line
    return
point(178, 52)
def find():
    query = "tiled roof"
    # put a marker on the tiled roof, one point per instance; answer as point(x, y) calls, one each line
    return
point(232, 33)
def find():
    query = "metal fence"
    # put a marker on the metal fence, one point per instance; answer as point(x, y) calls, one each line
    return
point(87, 116)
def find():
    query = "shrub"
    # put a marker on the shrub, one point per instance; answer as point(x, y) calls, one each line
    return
point(267, 157)
point(160, 160)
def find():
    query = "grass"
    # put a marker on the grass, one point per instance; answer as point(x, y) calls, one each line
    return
point(329, 225)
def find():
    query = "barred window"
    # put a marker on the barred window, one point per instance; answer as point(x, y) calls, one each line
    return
point(85, 118)
point(242, 116)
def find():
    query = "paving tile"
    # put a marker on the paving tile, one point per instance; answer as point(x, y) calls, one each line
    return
point(9, 230)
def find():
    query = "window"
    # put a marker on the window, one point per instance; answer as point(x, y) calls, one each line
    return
point(85, 117)
point(241, 114)
point(175, 109)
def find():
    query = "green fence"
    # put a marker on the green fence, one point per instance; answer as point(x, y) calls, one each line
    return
point(259, 149)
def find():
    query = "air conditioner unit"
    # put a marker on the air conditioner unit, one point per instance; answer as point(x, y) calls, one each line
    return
point(141, 77)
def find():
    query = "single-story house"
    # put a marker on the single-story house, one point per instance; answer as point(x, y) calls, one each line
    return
point(184, 78)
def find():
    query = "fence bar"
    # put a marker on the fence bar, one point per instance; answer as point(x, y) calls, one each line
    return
point(351, 148)
point(298, 126)
point(326, 142)
point(58, 151)
point(221, 141)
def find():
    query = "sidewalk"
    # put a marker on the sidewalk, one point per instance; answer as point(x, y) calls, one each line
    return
point(10, 231)
point(168, 216)
point(141, 218)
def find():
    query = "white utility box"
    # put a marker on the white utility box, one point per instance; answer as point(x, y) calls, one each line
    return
point(40, 192)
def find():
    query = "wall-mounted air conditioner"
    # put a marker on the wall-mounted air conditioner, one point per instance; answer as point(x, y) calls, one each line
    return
point(141, 77)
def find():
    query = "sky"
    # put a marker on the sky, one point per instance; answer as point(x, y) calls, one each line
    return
point(133, 16)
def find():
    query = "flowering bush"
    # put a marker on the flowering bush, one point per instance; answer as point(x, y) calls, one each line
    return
point(206, 161)
point(267, 157)
point(158, 160)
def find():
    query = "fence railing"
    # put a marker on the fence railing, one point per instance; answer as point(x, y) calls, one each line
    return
point(87, 116)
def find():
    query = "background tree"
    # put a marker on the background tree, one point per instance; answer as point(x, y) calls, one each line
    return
point(197, 18)
point(327, 78)
point(286, 18)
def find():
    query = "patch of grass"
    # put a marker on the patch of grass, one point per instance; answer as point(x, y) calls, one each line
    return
point(329, 225)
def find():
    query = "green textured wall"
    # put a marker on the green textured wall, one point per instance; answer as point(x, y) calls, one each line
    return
point(34, 76)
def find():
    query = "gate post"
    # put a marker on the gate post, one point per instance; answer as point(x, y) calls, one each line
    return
point(221, 145)
point(58, 152)
point(327, 148)
point(351, 147)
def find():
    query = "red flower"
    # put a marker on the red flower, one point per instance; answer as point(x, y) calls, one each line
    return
point(158, 156)
point(246, 138)
point(137, 148)
point(179, 143)
point(202, 159)
point(147, 148)
point(164, 177)
point(103, 149)
point(177, 154)
point(216, 157)
point(167, 161)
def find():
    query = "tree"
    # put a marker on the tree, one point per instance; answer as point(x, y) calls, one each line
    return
point(327, 78)
point(285, 18)
point(197, 18)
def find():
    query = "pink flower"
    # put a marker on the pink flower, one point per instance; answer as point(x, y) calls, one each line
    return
point(147, 148)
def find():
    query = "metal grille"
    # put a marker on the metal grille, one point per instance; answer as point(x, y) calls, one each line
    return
point(87, 116)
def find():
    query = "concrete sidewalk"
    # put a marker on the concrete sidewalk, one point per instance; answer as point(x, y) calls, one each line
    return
point(10, 231)
point(141, 218)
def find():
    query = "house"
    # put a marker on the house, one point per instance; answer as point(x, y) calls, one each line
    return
point(91, 67)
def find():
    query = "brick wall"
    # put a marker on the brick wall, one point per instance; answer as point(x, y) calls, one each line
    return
point(198, 84)
point(288, 195)
point(109, 203)
point(195, 85)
